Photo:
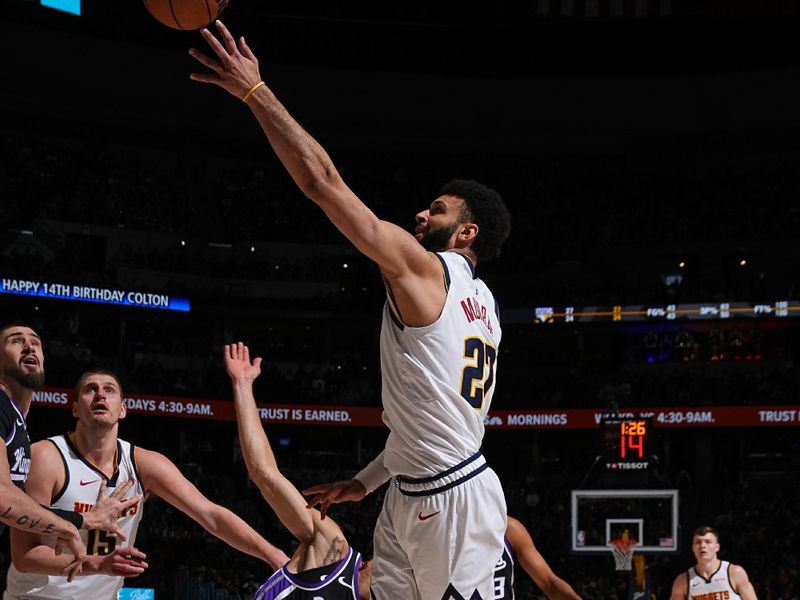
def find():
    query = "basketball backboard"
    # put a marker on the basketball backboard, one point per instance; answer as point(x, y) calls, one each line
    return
point(649, 516)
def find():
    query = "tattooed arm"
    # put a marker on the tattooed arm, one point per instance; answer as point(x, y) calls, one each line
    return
point(31, 553)
point(322, 542)
point(20, 511)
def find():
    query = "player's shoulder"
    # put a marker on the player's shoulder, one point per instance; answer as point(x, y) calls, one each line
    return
point(456, 262)
point(46, 447)
point(47, 461)
point(6, 403)
point(9, 415)
point(681, 583)
point(736, 573)
point(155, 470)
point(148, 458)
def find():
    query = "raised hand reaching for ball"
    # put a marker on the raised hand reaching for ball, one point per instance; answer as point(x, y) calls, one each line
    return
point(235, 68)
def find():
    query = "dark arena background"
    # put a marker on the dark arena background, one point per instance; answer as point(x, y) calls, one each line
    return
point(648, 151)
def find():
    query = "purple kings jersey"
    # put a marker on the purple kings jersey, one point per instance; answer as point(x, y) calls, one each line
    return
point(504, 574)
point(336, 581)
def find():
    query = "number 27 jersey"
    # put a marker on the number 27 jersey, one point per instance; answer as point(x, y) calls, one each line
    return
point(438, 380)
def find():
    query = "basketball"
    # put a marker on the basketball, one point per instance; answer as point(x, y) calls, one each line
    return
point(185, 14)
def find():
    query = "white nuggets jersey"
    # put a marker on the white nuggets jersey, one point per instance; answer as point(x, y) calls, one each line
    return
point(717, 587)
point(79, 494)
point(438, 380)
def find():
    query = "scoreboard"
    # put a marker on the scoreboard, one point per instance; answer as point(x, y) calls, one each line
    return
point(702, 311)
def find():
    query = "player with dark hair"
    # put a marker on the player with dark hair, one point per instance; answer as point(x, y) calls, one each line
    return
point(324, 566)
point(21, 373)
point(442, 524)
point(711, 578)
point(68, 470)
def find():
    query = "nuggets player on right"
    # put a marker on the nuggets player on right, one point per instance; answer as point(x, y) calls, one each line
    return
point(441, 529)
point(711, 578)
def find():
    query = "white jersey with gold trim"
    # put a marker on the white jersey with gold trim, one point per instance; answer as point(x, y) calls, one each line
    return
point(717, 587)
point(79, 494)
point(438, 380)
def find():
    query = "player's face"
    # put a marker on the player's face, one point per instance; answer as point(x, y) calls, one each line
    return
point(705, 547)
point(437, 225)
point(99, 401)
point(21, 358)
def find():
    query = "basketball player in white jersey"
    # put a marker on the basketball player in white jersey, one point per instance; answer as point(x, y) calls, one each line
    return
point(441, 528)
point(711, 578)
point(324, 566)
point(21, 373)
point(67, 472)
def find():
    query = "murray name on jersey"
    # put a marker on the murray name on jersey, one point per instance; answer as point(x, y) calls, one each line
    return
point(475, 311)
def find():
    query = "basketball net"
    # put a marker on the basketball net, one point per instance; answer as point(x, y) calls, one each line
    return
point(622, 549)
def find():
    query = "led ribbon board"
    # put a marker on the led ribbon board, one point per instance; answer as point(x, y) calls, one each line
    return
point(137, 594)
point(639, 312)
point(72, 7)
point(83, 293)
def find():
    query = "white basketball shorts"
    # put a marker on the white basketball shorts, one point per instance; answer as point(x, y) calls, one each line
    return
point(440, 537)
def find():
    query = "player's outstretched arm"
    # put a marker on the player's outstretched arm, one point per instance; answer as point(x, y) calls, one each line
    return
point(235, 68)
point(741, 583)
point(680, 589)
point(279, 492)
point(30, 555)
point(535, 565)
point(24, 512)
point(366, 481)
point(162, 478)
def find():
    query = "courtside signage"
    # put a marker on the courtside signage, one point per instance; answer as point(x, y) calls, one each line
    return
point(84, 293)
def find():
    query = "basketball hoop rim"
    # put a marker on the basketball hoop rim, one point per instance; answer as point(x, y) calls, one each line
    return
point(624, 545)
point(622, 551)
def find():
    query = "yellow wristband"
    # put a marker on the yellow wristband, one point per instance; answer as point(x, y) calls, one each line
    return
point(252, 89)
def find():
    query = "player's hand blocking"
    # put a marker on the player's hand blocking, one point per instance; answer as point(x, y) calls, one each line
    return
point(334, 493)
point(72, 541)
point(127, 562)
point(235, 68)
point(108, 509)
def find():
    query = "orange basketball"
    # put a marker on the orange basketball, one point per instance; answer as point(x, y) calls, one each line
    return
point(185, 14)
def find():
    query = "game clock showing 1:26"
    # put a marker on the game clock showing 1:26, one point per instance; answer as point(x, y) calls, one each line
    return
point(631, 439)
point(626, 439)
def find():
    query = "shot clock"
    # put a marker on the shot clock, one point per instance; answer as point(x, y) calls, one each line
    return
point(627, 442)
point(631, 439)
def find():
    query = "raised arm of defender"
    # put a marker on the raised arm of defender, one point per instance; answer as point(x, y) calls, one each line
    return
point(403, 261)
point(325, 538)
